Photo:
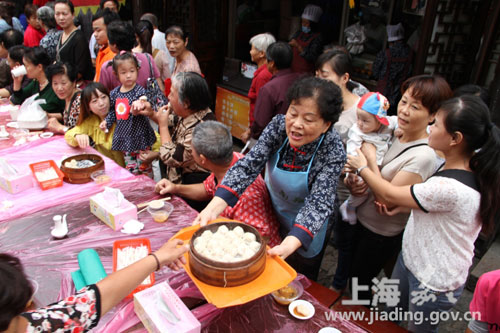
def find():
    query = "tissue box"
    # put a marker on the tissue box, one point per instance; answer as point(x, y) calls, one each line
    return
point(151, 304)
point(115, 217)
point(17, 183)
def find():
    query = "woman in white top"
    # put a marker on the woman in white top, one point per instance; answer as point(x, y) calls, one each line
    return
point(335, 66)
point(447, 211)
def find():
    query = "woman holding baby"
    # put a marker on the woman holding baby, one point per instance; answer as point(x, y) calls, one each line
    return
point(409, 160)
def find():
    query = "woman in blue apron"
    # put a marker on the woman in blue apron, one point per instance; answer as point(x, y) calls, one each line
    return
point(303, 156)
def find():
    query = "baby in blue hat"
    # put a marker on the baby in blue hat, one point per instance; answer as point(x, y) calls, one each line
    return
point(375, 127)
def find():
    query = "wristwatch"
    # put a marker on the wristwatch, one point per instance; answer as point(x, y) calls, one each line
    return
point(358, 171)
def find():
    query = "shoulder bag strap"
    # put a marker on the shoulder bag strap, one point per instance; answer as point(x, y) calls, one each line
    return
point(408, 148)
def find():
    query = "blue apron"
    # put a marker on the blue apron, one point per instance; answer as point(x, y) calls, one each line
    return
point(288, 191)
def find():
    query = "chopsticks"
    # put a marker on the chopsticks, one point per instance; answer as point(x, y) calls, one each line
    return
point(145, 204)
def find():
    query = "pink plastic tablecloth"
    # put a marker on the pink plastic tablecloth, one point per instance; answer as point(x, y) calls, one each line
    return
point(50, 262)
point(34, 199)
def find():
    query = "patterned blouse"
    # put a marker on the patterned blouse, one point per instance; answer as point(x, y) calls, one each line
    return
point(322, 180)
point(77, 313)
point(49, 42)
point(70, 116)
point(176, 155)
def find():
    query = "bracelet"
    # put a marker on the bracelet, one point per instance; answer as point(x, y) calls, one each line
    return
point(157, 261)
point(361, 169)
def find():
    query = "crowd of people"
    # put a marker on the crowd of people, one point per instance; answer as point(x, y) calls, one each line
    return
point(406, 194)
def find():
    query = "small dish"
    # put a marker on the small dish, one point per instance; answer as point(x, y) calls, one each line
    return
point(329, 330)
point(156, 204)
point(13, 124)
point(289, 293)
point(161, 215)
point(301, 309)
point(46, 135)
point(100, 177)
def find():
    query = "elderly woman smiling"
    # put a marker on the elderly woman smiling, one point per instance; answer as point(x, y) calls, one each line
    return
point(303, 156)
point(63, 80)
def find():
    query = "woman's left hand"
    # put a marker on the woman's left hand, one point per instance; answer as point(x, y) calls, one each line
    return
point(288, 246)
point(355, 162)
point(54, 125)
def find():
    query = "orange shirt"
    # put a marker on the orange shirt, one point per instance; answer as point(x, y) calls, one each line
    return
point(103, 55)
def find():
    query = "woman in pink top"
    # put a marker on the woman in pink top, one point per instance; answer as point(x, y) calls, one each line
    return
point(177, 41)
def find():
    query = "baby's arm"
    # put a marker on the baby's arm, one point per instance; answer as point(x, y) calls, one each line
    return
point(354, 140)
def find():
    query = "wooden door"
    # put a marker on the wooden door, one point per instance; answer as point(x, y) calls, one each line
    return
point(206, 24)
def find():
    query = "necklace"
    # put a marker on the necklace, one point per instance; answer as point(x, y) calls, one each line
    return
point(43, 85)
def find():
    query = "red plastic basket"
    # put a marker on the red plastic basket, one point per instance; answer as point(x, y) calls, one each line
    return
point(45, 165)
point(121, 244)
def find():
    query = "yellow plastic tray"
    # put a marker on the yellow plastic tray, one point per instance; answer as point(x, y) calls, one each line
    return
point(276, 275)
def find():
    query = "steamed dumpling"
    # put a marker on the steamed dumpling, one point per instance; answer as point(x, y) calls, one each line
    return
point(249, 237)
point(207, 234)
point(239, 231)
point(222, 229)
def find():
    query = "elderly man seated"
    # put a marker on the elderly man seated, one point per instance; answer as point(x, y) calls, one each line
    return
point(212, 149)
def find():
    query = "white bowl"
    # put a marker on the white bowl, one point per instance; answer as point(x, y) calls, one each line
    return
point(294, 304)
point(329, 330)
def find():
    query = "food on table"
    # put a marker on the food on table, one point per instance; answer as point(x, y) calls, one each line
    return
point(102, 179)
point(156, 204)
point(227, 245)
point(302, 310)
point(46, 174)
point(287, 292)
point(130, 254)
point(160, 216)
point(79, 164)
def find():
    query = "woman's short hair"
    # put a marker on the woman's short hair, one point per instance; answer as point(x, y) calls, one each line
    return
point(37, 56)
point(262, 41)
point(214, 141)
point(430, 90)
point(193, 90)
point(15, 289)
point(11, 37)
point(89, 92)
point(30, 10)
point(102, 2)
point(59, 68)
point(176, 31)
point(326, 94)
point(46, 16)
point(16, 53)
point(67, 3)
point(122, 35)
point(281, 53)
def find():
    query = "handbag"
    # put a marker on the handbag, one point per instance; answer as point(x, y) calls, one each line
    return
point(153, 91)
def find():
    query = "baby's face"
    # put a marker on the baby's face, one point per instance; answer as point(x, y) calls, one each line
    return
point(367, 122)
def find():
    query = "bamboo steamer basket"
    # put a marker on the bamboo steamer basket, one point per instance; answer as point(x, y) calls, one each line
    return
point(81, 175)
point(227, 274)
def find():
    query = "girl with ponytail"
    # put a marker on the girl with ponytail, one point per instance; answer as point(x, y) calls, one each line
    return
point(447, 211)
